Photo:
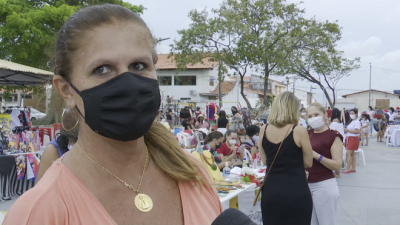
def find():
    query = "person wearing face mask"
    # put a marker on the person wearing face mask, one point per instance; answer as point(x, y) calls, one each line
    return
point(228, 150)
point(327, 147)
point(303, 117)
point(365, 121)
point(352, 141)
point(212, 142)
point(251, 139)
point(125, 168)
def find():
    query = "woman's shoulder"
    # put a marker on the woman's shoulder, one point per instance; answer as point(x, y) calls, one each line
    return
point(334, 133)
point(42, 204)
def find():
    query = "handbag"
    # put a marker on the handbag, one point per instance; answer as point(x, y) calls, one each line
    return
point(269, 169)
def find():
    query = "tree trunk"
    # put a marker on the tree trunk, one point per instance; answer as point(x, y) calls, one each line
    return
point(243, 95)
point(326, 95)
point(54, 112)
point(266, 76)
point(220, 84)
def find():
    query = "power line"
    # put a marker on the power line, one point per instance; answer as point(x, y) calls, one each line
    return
point(386, 69)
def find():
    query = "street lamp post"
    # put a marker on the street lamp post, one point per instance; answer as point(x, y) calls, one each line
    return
point(370, 78)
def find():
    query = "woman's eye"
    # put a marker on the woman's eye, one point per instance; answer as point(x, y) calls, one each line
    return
point(102, 70)
point(139, 66)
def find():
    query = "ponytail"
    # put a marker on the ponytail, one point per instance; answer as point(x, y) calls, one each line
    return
point(170, 157)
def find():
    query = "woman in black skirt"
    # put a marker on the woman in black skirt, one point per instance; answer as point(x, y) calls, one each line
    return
point(286, 197)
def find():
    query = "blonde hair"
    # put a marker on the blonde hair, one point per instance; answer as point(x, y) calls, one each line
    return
point(318, 106)
point(285, 110)
point(170, 157)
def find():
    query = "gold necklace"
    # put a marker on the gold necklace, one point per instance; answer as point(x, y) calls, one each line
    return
point(142, 201)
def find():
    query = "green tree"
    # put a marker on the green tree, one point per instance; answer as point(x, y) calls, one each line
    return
point(267, 30)
point(28, 30)
point(318, 61)
point(213, 39)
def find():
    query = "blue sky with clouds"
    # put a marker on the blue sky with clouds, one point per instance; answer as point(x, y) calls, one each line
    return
point(370, 31)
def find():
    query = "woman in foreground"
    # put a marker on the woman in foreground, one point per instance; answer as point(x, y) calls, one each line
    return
point(125, 168)
point(286, 198)
point(328, 152)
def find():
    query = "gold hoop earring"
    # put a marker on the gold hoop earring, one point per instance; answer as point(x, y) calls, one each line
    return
point(62, 121)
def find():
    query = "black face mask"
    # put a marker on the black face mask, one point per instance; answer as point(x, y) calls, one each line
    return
point(217, 146)
point(122, 108)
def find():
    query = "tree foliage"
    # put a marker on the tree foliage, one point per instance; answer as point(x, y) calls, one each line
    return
point(28, 30)
point(268, 35)
point(318, 61)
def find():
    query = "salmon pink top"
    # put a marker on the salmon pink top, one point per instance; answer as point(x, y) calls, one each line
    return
point(61, 198)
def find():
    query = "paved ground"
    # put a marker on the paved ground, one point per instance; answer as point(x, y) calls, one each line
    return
point(369, 197)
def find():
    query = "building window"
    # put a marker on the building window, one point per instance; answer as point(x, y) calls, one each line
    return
point(212, 97)
point(165, 81)
point(212, 79)
point(27, 96)
point(185, 80)
point(9, 99)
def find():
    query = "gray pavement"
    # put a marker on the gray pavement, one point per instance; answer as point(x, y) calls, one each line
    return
point(371, 196)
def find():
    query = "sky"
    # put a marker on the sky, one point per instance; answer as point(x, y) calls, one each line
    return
point(370, 31)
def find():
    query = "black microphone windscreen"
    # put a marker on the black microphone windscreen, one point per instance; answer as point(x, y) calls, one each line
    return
point(233, 217)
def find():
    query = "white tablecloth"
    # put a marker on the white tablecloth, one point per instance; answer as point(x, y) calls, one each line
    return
point(390, 129)
point(395, 137)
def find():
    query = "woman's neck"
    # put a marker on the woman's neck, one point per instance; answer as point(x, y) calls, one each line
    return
point(118, 155)
point(228, 144)
point(323, 129)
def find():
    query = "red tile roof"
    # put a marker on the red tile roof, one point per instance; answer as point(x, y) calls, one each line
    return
point(165, 63)
point(344, 96)
point(227, 86)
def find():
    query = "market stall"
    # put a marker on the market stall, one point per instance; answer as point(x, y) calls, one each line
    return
point(20, 145)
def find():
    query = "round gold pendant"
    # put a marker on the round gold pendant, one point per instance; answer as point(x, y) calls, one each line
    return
point(143, 202)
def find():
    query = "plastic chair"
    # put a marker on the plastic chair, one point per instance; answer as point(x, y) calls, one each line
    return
point(56, 127)
point(44, 131)
point(388, 137)
point(358, 152)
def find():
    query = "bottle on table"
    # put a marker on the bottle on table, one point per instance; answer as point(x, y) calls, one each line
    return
point(226, 172)
point(245, 163)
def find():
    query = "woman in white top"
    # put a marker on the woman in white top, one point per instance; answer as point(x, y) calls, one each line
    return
point(392, 114)
point(303, 117)
point(365, 122)
point(352, 141)
point(336, 124)
point(371, 114)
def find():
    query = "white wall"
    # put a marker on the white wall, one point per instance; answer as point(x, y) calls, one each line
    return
point(178, 92)
point(361, 100)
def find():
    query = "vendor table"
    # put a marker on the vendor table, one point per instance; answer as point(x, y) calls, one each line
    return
point(395, 138)
point(10, 187)
point(232, 197)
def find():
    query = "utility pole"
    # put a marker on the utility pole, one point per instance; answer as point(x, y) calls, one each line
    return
point(294, 81)
point(370, 78)
point(287, 83)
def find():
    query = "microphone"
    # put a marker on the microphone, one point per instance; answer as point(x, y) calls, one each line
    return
point(232, 217)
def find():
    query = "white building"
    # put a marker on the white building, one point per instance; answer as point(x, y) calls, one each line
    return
point(360, 100)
